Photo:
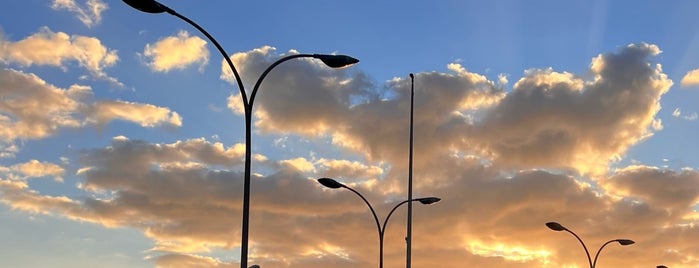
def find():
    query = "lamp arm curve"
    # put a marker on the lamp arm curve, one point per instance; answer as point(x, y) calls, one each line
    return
point(594, 263)
point(589, 260)
point(269, 69)
point(385, 222)
point(223, 52)
point(373, 212)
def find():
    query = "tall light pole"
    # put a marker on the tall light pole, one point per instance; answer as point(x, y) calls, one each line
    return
point(558, 227)
point(409, 235)
point(333, 61)
point(333, 184)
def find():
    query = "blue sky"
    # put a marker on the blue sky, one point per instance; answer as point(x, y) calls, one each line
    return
point(121, 141)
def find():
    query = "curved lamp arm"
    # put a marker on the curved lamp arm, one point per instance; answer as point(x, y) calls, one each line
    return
point(332, 61)
point(589, 260)
point(373, 212)
point(385, 222)
point(558, 227)
point(155, 7)
point(424, 201)
point(623, 242)
point(264, 74)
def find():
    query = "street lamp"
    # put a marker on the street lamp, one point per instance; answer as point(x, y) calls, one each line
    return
point(558, 227)
point(333, 184)
point(333, 61)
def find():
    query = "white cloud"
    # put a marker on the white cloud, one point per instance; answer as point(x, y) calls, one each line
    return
point(89, 14)
point(678, 113)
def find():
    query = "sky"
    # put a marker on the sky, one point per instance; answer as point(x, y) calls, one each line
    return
point(122, 133)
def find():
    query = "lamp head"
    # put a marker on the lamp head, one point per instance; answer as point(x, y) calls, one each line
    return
point(148, 6)
point(330, 183)
point(336, 61)
point(555, 226)
point(428, 200)
point(625, 242)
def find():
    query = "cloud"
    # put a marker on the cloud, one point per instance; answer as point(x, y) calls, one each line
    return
point(690, 79)
point(57, 49)
point(177, 52)
point(675, 191)
point(34, 109)
point(146, 115)
point(35, 168)
point(185, 261)
point(550, 119)
point(503, 162)
point(300, 164)
point(90, 14)
point(130, 172)
point(678, 113)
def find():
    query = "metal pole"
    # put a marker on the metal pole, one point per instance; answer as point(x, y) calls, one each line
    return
point(408, 238)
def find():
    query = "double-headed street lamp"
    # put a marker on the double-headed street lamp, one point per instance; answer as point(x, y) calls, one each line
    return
point(333, 184)
point(333, 61)
point(558, 227)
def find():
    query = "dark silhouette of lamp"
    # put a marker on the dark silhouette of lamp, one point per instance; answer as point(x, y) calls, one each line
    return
point(333, 184)
point(558, 227)
point(333, 61)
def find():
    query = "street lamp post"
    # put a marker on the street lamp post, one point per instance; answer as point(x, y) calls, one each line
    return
point(333, 184)
point(558, 227)
point(333, 61)
point(409, 227)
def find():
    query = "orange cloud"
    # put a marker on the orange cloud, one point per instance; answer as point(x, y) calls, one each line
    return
point(177, 52)
point(690, 79)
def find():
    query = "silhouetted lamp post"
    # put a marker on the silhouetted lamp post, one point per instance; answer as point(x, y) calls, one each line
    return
point(333, 184)
point(558, 227)
point(409, 227)
point(333, 61)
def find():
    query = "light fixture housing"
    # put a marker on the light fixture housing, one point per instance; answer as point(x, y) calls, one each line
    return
point(330, 183)
point(148, 6)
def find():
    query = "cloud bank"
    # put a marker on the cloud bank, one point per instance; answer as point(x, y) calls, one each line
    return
point(504, 162)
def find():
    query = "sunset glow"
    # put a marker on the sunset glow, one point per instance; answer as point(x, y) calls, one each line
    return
point(122, 140)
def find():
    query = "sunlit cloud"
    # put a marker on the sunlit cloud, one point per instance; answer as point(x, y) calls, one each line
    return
point(550, 119)
point(300, 164)
point(190, 260)
point(503, 162)
point(146, 115)
point(35, 168)
point(177, 52)
point(35, 109)
point(89, 14)
point(690, 79)
point(59, 49)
